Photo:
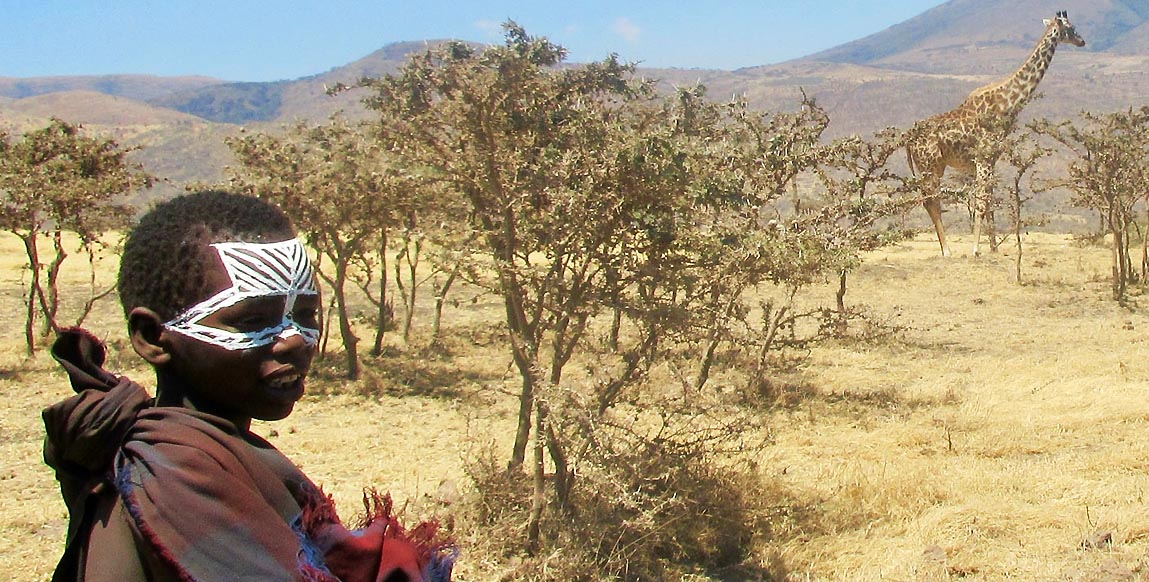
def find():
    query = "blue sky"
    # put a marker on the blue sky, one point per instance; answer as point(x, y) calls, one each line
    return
point(244, 40)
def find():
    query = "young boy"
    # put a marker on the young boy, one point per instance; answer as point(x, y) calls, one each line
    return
point(221, 300)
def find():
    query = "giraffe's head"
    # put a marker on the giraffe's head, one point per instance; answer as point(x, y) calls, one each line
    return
point(1063, 30)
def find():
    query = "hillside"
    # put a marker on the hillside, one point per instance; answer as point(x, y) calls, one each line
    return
point(911, 70)
point(137, 87)
point(304, 98)
point(175, 147)
point(981, 36)
point(229, 102)
point(92, 108)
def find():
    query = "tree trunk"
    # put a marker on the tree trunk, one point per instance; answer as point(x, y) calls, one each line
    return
point(1015, 216)
point(526, 405)
point(407, 285)
point(525, 352)
point(441, 298)
point(616, 309)
point(991, 230)
point(34, 292)
point(564, 477)
point(326, 327)
point(1017, 260)
point(94, 294)
point(840, 298)
point(51, 297)
point(538, 496)
point(350, 341)
point(1145, 248)
point(412, 274)
point(381, 317)
point(1119, 263)
point(717, 321)
point(524, 343)
point(773, 320)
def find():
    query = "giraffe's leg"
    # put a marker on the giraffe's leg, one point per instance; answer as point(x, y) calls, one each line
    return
point(934, 209)
point(977, 228)
point(983, 190)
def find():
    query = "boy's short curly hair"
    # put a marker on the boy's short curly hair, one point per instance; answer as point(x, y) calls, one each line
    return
point(162, 267)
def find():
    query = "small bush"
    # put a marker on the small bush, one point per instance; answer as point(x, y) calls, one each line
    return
point(649, 502)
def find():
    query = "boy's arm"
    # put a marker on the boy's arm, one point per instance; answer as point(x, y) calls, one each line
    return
point(112, 553)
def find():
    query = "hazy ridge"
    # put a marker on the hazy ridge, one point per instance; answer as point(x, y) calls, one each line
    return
point(913, 69)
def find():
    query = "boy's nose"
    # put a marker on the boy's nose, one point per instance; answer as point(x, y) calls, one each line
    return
point(290, 339)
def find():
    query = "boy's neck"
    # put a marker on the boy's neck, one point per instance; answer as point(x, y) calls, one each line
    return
point(171, 393)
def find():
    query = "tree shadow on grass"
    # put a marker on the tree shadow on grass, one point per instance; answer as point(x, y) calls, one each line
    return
point(429, 372)
point(15, 374)
point(418, 374)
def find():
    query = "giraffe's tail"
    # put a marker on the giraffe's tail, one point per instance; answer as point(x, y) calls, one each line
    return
point(910, 160)
point(908, 142)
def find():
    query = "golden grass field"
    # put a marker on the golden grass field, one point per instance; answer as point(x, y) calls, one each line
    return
point(1002, 434)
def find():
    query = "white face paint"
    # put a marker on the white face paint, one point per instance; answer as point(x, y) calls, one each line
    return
point(256, 270)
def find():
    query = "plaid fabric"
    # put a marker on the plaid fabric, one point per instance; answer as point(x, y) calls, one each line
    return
point(210, 502)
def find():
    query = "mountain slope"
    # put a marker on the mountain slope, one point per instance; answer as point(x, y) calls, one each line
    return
point(304, 98)
point(91, 108)
point(979, 36)
point(229, 102)
point(137, 87)
point(917, 68)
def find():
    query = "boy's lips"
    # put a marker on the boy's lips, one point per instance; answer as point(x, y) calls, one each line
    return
point(287, 378)
point(282, 382)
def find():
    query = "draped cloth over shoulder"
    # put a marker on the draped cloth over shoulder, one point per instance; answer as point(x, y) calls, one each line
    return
point(210, 502)
point(83, 434)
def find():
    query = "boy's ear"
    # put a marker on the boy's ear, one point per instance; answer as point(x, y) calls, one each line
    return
point(146, 330)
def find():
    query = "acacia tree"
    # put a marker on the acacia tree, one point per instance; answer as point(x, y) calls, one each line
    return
point(536, 152)
point(745, 238)
point(337, 186)
point(502, 128)
point(858, 191)
point(438, 232)
point(1021, 153)
point(1108, 175)
point(56, 180)
point(590, 197)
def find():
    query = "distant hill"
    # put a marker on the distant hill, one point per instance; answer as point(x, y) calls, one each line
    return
point(989, 36)
point(137, 87)
point(286, 100)
point(928, 64)
point(229, 102)
point(91, 108)
point(911, 70)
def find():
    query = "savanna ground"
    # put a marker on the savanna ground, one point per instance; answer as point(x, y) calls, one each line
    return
point(1000, 432)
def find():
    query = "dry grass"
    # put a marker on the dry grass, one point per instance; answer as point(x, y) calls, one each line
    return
point(1005, 427)
point(993, 438)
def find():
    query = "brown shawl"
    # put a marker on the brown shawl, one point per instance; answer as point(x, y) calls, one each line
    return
point(209, 501)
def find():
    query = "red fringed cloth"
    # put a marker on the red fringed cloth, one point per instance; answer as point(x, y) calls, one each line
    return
point(209, 502)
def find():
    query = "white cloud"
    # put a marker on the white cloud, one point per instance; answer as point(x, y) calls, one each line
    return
point(490, 28)
point(626, 29)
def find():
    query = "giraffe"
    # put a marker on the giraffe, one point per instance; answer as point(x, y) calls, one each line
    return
point(957, 138)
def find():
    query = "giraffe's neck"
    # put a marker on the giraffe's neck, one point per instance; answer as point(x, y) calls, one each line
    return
point(1010, 96)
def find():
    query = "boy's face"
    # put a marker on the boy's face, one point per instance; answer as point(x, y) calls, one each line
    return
point(245, 350)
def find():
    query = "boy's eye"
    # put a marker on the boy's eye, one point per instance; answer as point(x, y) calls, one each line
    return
point(306, 315)
point(255, 322)
point(252, 315)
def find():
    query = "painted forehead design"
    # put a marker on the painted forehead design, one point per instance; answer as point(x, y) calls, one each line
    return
point(268, 268)
point(256, 270)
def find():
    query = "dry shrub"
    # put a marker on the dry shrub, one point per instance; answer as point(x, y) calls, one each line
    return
point(650, 501)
